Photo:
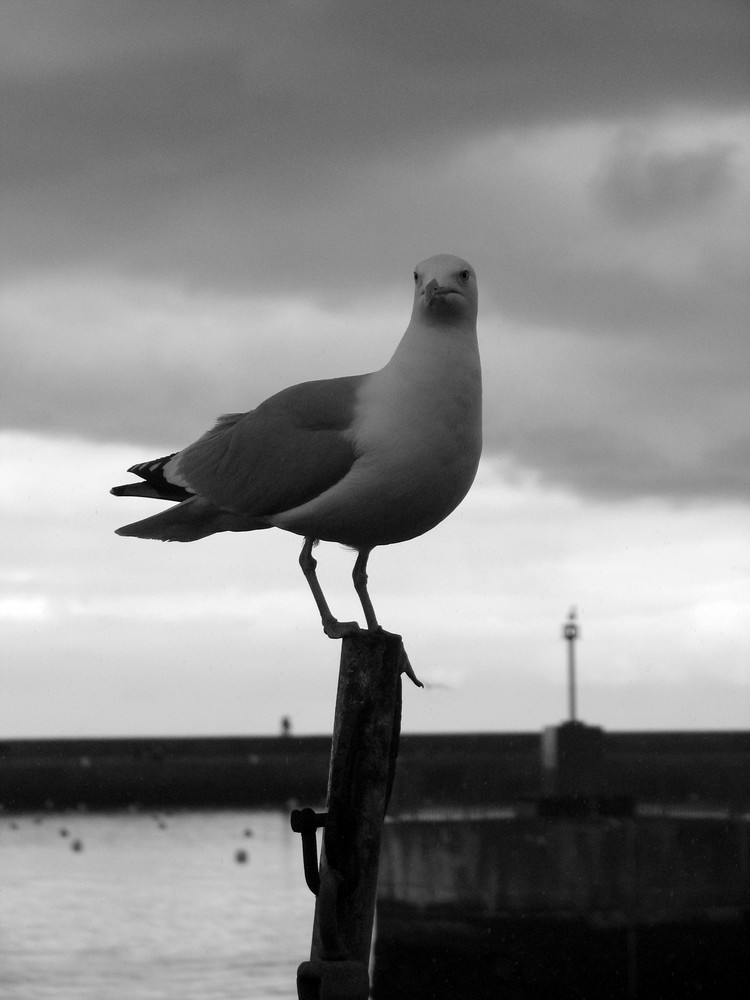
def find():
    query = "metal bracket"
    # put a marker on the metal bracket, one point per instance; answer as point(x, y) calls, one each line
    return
point(307, 822)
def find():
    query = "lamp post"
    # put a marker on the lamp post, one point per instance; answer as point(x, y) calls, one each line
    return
point(571, 632)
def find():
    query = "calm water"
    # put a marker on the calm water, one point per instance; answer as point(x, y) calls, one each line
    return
point(151, 907)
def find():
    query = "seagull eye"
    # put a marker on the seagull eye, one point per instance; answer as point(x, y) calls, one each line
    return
point(416, 278)
point(464, 275)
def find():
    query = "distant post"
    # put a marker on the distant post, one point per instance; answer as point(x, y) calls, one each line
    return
point(571, 633)
point(366, 732)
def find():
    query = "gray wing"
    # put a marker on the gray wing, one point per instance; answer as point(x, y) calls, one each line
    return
point(289, 450)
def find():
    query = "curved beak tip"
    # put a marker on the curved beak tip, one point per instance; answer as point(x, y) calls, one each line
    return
point(430, 289)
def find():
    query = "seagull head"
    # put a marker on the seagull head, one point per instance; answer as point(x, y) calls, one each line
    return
point(445, 289)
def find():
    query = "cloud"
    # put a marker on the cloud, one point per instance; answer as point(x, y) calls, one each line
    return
point(641, 186)
point(622, 418)
point(202, 203)
point(153, 365)
point(193, 138)
point(206, 637)
point(111, 359)
point(200, 208)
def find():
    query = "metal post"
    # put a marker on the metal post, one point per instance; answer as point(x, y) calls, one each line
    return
point(571, 632)
point(363, 755)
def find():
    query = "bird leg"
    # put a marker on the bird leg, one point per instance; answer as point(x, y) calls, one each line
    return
point(359, 576)
point(332, 627)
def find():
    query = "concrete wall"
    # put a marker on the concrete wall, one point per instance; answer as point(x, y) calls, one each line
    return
point(637, 869)
point(526, 908)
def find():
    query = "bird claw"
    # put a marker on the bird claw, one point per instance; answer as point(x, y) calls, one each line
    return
point(406, 668)
point(337, 630)
point(404, 663)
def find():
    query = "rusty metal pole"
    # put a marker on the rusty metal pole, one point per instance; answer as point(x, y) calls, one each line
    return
point(366, 731)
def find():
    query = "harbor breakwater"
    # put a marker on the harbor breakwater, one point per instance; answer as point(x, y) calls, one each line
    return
point(434, 770)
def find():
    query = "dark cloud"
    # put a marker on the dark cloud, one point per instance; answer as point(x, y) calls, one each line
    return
point(643, 186)
point(600, 462)
point(315, 151)
point(622, 419)
point(120, 117)
point(626, 299)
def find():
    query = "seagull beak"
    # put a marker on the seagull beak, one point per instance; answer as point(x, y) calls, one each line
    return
point(434, 292)
point(431, 289)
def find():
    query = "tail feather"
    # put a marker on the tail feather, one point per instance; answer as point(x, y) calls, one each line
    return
point(151, 491)
point(188, 521)
point(156, 485)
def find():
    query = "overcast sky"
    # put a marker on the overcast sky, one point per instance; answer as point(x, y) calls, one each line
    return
point(203, 202)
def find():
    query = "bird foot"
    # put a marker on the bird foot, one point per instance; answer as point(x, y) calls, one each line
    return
point(335, 629)
point(406, 668)
point(404, 662)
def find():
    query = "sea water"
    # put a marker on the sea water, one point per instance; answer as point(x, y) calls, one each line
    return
point(145, 906)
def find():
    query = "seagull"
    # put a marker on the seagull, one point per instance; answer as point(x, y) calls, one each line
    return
point(363, 460)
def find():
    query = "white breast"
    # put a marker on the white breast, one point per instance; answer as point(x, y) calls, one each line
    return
point(417, 434)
